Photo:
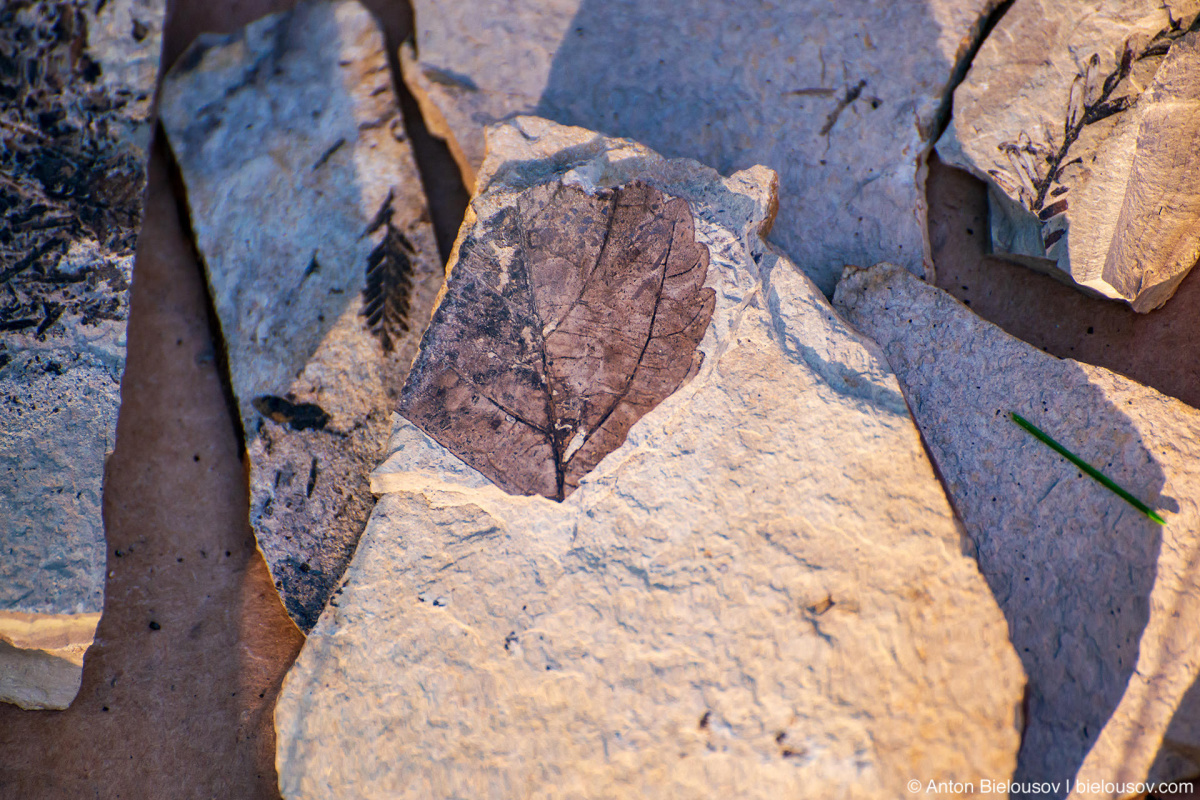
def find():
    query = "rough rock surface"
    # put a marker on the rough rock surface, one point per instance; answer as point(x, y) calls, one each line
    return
point(310, 218)
point(761, 593)
point(840, 99)
point(1085, 119)
point(76, 87)
point(1101, 602)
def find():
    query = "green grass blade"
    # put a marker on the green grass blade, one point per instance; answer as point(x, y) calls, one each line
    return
point(1099, 476)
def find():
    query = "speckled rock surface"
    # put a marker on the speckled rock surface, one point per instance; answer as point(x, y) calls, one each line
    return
point(310, 218)
point(840, 99)
point(761, 593)
point(76, 87)
point(1084, 117)
point(1101, 602)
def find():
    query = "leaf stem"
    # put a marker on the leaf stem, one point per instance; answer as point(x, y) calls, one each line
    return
point(1099, 476)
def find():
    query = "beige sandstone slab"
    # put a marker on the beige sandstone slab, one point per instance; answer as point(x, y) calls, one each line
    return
point(1101, 602)
point(761, 593)
point(76, 87)
point(840, 99)
point(1084, 117)
point(311, 221)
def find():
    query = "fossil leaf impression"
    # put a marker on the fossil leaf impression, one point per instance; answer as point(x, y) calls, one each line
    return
point(566, 318)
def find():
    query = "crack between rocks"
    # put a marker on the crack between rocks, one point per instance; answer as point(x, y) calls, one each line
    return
point(941, 118)
point(446, 196)
point(215, 333)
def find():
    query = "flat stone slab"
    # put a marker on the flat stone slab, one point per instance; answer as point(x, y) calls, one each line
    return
point(1101, 602)
point(840, 99)
point(75, 122)
point(761, 593)
point(312, 225)
point(1084, 117)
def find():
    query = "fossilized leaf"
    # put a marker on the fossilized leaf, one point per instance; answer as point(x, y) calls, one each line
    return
point(566, 318)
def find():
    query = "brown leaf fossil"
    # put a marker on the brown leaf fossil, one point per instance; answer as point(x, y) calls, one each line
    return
point(566, 318)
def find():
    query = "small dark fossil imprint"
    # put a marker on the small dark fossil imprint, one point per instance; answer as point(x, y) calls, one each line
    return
point(567, 317)
point(388, 292)
point(299, 416)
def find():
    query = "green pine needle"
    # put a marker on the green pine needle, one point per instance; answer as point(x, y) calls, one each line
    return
point(1103, 479)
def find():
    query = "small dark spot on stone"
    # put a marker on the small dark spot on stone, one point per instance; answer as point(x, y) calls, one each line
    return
point(154, 626)
point(196, 457)
point(104, 708)
point(89, 70)
point(298, 416)
point(821, 606)
point(704, 720)
point(1091, 329)
point(779, 737)
point(139, 30)
point(305, 567)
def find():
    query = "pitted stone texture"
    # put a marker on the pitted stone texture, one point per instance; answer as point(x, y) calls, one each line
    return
point(312, 224)
point(1084, 117)
point(1102, 602)
point(75, 123)
point(840, 99)
point(760, 594)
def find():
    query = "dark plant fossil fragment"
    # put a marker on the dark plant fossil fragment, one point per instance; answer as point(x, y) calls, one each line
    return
point(566, 318)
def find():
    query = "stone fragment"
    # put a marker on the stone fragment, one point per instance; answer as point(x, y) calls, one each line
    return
point(76, 87)
point(760, 594)
point(840, 99)
point(1085, 117)
point(311, 221)
point(1101, 602)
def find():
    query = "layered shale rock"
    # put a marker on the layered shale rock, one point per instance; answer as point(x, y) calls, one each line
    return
point(76, 87)
point(1101, 601)
point(1085, 119)
point(761, 592)
point(840, 99)
point(312, 225)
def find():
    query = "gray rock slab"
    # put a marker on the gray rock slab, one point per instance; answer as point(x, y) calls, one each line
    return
point(761, 593)
point(840, 99)
point(75, 122)
point(1084, 118)
point(1101, 602)
point(312, 225)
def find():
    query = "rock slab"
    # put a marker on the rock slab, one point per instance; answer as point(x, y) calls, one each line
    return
point(761, 593)
point(76, 87)
point(1084, 118)
point(842, 99)
point(311, 221)
point(1101, 602)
